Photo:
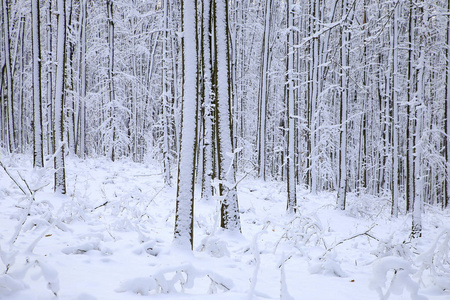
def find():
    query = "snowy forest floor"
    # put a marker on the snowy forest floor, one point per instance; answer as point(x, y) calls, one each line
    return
point(110, 238)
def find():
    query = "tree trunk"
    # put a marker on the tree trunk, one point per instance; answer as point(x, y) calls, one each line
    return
point(58, 125)
point(82, 135)
point(395, 87)
point(262, 104)
point(225, 157)
point(9, 77)
point(38, 147)
point(207, 104)
point(291, 175)
point(342, 190)
point(49, 102)
point(447, 114)
point(184, 218)
point(165, 96)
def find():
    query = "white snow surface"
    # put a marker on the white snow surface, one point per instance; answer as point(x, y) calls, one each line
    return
point(111, 238)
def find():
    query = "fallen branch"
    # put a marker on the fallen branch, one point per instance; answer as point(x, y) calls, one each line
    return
point(366, 233)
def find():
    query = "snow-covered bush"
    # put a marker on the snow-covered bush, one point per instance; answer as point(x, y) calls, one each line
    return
point(436, 261)
point(397, 272)
point(177, 279)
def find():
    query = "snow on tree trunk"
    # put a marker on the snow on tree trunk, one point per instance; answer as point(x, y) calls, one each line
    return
point(9, 76)
point(291, 178)
point(394, 210)
point(83, 41)
point(447, 113)
point(165, 95)
point(262, 101)
point(38, 148)
point(111, 87)
point(418, 158)
point(49, 104)
point(58, 129)
point(313, 99)
point(342, 189)
point(226, 165)
point(207, 97)
point(184, 218)
point(410, 118)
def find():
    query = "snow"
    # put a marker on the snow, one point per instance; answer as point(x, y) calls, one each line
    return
point(111, 237)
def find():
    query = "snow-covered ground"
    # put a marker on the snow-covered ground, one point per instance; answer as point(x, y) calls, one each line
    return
point(110, 238)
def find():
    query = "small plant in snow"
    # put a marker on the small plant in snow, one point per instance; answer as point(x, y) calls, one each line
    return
point(437, 261)
point(177, 279)
point(214, 246)
point(327, 264)
point(13, 281)
point(397, 272)
point(303, 231)
point(388, 247)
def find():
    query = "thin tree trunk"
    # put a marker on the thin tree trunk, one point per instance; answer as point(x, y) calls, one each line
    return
point(447, 114)
point(342, 190)
point(226, 171)
point(207, 103)
point(418, 146)
point(314, 97)
point(166, 91)
point(291, 178)
point(262, 105)
point(82, 136)
point(58, 127)
point(9, 77)
point(410, 188)
point(38, 147)
point(184, 218)
point(49, 102)
point(394, 210)
point(111, 90)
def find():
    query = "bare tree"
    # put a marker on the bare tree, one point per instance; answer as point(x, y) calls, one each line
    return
point(291, 174)
point(184, 218)
point(225, 157)
point(58, 125)
point(38, 148)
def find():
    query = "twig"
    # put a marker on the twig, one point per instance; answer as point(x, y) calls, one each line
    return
point(151, 200)
point(218, 283)
point(101, 205)
point(14, 180)
point(26, 184)
point(366, 233)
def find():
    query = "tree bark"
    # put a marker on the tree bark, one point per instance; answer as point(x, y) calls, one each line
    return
point(58, 127)
point(38, 147)
point(184, 218)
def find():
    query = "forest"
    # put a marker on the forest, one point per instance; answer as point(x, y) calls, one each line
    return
point(341, 103)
